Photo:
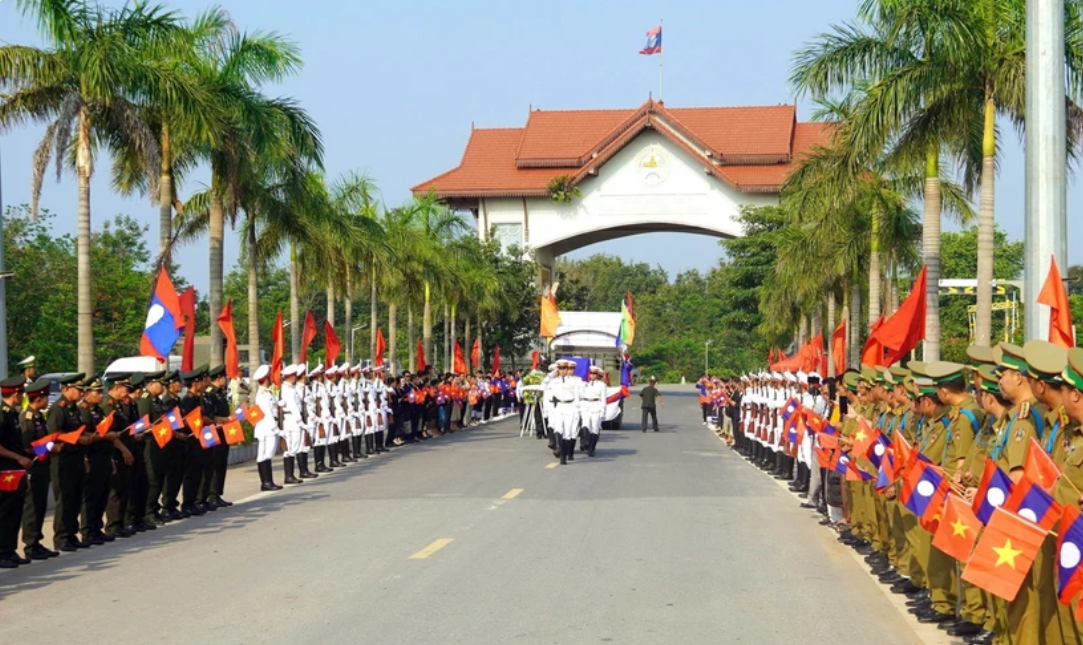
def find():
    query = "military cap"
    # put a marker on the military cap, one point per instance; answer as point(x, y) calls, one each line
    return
point(153, 377)
point(1010, 357)
point(987, 379)
point(1073, 372)
point(137, 381)
point(72, 380)
point(899, 374)
point(911, 387)
point(190, 377)
point(944, 372)
point(26, 363)
point(170, 377)
point(883, 375)
point(215, 372)
point(923, 383)
point(12, 385)
point(120, 378)
point(203, 369)
point(1045, 361)
point(916, 368)
point(850, 380)
point(868, 375)
point(980, 355)
point(262, 372)
point(93, 382)
point(38, 388)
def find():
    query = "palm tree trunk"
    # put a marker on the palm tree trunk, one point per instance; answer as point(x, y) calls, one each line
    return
point(874, 268)
point(466, 339)
point(447, 334)
point(331, 304)
point(893, 289)
point(410, 333)
point(165, 197)
point(348, 301)
point(481, 343)
point(930, 251)
point(253, 300)
point(85, 300)
point(216, 230)
point(451, 336)
point(983, 323)
point(801, 332)
point(855, 325)
point(830, 340)
point(426, 323)
point(373, 322)
point(295, 306)
point(393, 338)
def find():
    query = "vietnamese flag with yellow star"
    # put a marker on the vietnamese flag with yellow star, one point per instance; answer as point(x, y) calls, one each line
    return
point(958, 530)
point(233, 432)
point(163, 432)
point(1004, 554)
point(10, 480)
point(865, 436)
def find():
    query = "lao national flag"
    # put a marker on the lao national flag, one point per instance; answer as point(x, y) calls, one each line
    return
point(924, 485)
point(174, 419)
point(42, 447)
point(885, 476)
point(993, 491)
point(140, 426)
point(791, 406)
point(878, 450)
point(1030, 502)
point(842, 462)
point(239, 414)
point(1069, 555)
point(164, 320)
point(654, 42)
point(208, 437)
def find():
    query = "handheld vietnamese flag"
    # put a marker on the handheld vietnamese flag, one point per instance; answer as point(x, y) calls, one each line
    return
point(187, 302)
point(71, 437)
point(308, 335)
point(654, 42)
point(225, 323)
point(194, 420)
point(864, 437)
point(106, 424)
point(164, 319)
point(254, 414)
point(1069, 555)
point(958, 530)
point(174, 419)
point(233, 432)
point(1004, 554)
point(208, 437)
point(993, 491)
point(163, 432)
point(1039, 467)
point(904, 452)
point(140, 426)
point(1031, 502)
point(1055, 295)
point(421, 364)
point(42, 447)
point(331, 344)
point(10, 480)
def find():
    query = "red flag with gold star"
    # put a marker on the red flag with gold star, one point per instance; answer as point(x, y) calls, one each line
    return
point(73, 436)
point(194, 420)
point(864, 437)
point(163, 432)
point(233, 432)
point(106, 424)
point(10, 480)
point(1004, 554)
point(958, 530)
point(1039, 467)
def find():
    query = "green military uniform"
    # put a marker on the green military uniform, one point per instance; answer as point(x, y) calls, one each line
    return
point(67, 469)
point(135, 514)
point(119, 497)
point(33, 426)
point(174, 455)
point(12, 475)
point(1069, 454)
point(156, 459)
point(219, 405)
point(99, 460)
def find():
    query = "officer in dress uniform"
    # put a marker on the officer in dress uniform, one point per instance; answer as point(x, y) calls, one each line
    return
point(68, 468)
point(119, 495)
point(564, 395)
point(13, 461)
point(99, 461)
point(217, 398)
point(291, 423)
point(139, 483)
point(267, 430)
point(175, 452)
point(28, 370)
point(592, 401)
point(189, 450)
point(32, 424)
point(1069, 453)
point(151, 405)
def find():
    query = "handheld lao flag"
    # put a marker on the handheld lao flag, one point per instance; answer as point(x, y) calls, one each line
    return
point(164, 320)
point(140, 426)
point(1069, 555)
point(993, 491)
point(42, 447)
point(654, 42)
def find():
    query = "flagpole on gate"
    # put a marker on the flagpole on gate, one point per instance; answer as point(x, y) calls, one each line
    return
point(661, 57)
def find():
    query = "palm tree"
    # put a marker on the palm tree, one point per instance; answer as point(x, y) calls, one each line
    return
point(438, 224)
point(361, 250)
point(101, 66)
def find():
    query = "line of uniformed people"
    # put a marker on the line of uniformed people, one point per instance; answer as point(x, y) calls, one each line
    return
point(956, 416)
point(572, 409)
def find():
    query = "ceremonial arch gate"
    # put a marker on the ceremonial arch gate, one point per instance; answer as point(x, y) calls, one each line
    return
point(572, 178)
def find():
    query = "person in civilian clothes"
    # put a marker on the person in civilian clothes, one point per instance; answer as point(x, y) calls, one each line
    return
point(32, 424)
point(12, 460)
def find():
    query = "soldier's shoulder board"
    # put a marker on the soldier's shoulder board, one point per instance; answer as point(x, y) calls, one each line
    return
point(1024, 410)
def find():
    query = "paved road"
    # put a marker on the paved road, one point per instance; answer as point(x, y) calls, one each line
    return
point(662, 538)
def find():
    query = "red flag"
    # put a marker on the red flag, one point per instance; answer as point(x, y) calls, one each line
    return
point(10, 480)
point(225, 323)
point(381, 346)
point(958, 530)
point(188, 308)
point(233, 431)
point(105, 424)
point(421, 364)
point(1004, 554)
point(1055, 295)
point(873, 353)
point(475, 355)
point(308, 335)
point(1039, 467)
point(535, 356)
point(278, 336)
point(906, 327)
point(163, 432)
point(864, 437)
point(496, 358)
point(194, 420)
point(550, 316)
point(73, 436)
point(458, 363)
point(333, 347)
point(253, 413)
point(838, 347)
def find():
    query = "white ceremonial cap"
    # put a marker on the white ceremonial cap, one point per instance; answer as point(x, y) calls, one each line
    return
point(261, 372)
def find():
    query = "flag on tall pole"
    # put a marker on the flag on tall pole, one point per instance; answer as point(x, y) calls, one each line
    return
point(225, 323)
point(475, 355)
point(381, 346)
point(654, 46)
point(308, 335)
point(1055, 295)
point(331, 343)
point(626, 334)
point(278, 335)
point(421, 364)
point(188, 310)
point(550, 315)
point(164, 319)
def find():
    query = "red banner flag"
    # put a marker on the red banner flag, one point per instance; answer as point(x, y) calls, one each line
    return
point(333, 347)
point(1055, 295)
point(838, 348)
point(421, 364)
point(1039, 467)
point(550, 316)
point(458, 363)
point(873, 352)
point(194, 420)
point(535, 357)
point(163, 432)
point(958, 530)
point(278, 337)
point(225, 323)
point(1004, 554)
point(381, 347)
point(188, 309)
point(475, 355)
point(308, 335)
point(233, 432)
point(900, 333)
point(496, 358)
point(253, 413)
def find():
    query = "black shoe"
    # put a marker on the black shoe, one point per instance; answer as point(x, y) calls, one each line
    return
point(223, 503)
point(904, 587)
point(920, 609)
point(8, 562)
point(917, 602)
point(891, 578)
point(207, 507)
point(194, 511)
point(807, 505)
point(94, 540)
point(68, 547)
point(873, 558)
point(935, 617)
point(826, 522)
point(949, 625)
point(37, 552)
point(126, 532)
point(14, 557)
point(803, 495)
point(81, 544)
point(864, 549)
point(964, 628)
point(984, 637)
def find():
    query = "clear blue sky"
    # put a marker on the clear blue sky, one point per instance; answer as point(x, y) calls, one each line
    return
point(395, 86)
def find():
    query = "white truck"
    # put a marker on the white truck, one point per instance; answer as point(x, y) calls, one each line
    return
point(593, 335)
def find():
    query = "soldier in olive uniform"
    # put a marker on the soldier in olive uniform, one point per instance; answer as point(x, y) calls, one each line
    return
point(116, 507)
point(1069, 449)
point(193, 452)
point(151, 405)
point(174, 453)
point(12, 461)
point(135, 515)
point(68, 469)
point(99, 459)
point(33, 426)
point(216, 393)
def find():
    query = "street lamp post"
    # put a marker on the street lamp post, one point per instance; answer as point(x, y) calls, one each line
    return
point(353, 336)
point(707, 357)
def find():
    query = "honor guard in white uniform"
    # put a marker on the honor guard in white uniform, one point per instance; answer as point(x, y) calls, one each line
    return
point(592, 402)
point(547, 410)
point(267, 430)
point(318, 422)
point(563, 394)
point(291, 422)
point(308, 413)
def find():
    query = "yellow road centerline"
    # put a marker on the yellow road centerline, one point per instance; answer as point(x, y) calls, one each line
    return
point(431, 549)
point(512, 494)
point(553, 465)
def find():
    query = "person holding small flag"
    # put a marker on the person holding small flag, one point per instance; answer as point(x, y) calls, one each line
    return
point(151, 406)
point(68, 469)
point(99, 461)
point(266, 429)
point(134, 516)
point(32, 424)
point(175, 452)
point(194, 459)
point(119, 496)
point(13, 466)
point(218, 399)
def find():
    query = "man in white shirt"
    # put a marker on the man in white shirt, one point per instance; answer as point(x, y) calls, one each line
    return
point(266, 430)
point(591, 408)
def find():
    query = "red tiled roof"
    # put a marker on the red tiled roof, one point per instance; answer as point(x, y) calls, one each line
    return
point(752, 149)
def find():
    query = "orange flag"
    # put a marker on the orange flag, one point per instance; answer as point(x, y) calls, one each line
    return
point(1055, 295)
point(873, 353)
point(550, 316)
point(163, 432)
point(1004, 554)
point(475, 355)
point(331, 343)
point(233, 431)
point(308, 335)
point(105, 424)
point(73, 436)
point(496, 358)
point(225, 323)
point(901, 333)
point(863, 438)
point(958, 530)
point(381, 346)
point(838, 348)
point(254, 414)
point(1039, 467)
point(458, 363)
point(421, 364)
point(278, 336)
point(194, 419)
